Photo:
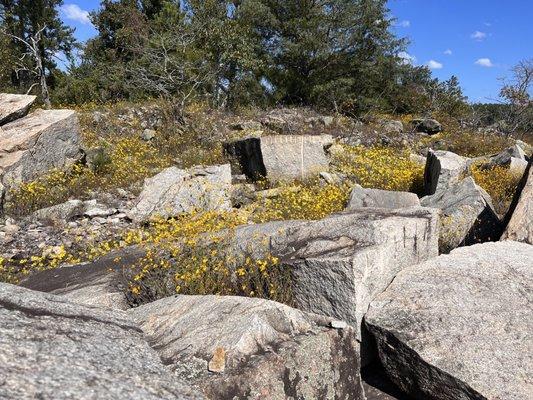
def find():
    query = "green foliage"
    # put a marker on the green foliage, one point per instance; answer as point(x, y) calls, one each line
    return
point(339, 55)
point(23, 19)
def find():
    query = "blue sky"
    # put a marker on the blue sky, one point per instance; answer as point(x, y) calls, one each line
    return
point(476, 40)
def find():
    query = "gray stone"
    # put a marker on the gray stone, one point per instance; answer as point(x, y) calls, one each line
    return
point(267, 350)
point(361, 197)
point(14, 106)
point(148, 134)
point(51, 348)
point(94, 210)
point(391, 126)
point(174, 191)
point(504, 158)
point(426, 125)
point(340, 264)
point(467, 215)
point(519, 219)
point(99, 283)
point(281, 157)
point(443, 168)
point(517, 166)
point(460, 326)
point(247, 126)
point(60, 213)
point(37, 143)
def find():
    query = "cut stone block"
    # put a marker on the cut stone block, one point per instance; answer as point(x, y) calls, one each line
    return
point(282, 157)
point(443, 168)
point(467, 215)
point(361, 197)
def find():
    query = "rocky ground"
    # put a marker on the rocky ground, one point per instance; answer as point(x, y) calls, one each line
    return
point(396, 295)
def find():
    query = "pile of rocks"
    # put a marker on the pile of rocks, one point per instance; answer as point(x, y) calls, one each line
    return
point(368, 284)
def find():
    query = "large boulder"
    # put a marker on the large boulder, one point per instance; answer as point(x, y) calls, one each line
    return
point(99, 283)
point(460, 326)
point(14, 106)
point(32, 145)
point(341, 263)
point(51, 348)
point(426, 125)
point(519, 218)
point(361, 197)
point(467, 215)
point(236, 347)
point(174, 191)
point(443, 168)
point(281, 157)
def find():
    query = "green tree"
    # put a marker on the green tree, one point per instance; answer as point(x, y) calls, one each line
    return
point(36, 36)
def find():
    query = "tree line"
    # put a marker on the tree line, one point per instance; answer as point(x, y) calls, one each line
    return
point(339, 55)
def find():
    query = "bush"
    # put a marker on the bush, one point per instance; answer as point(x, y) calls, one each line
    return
point(499, 182)
point(309, 201)
point(197, 269)
point(380, 168)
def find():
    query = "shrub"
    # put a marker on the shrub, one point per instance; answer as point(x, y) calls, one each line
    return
point(499, 182)
point(193, 268)
point(303, 201)
point(380, 168)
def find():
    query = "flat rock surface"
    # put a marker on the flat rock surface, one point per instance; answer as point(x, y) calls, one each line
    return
point(99, 283)
point(460, 326)
point(14, 106)
point(53, 349)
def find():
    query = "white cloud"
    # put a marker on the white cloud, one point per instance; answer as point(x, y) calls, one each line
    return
point(484, 62)
point(75, 13)
point(404, 24)
point(448, 52)
point(479, 36)
point(432, 64)
point(406, 57)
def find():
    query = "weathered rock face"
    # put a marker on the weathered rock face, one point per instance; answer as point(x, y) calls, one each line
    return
point(340, 264)
point(519, 219)
point(467, 215)
point(260, 349)
point(37, 143)
point(504, 158)
point(51, 348)
point(100, 283)
point(459, 326)
point(14, 106)
point(281, 157)
point(175, 191)
point(427, 125)
point(361, 197)
point(59, 213)
point(443, 168)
